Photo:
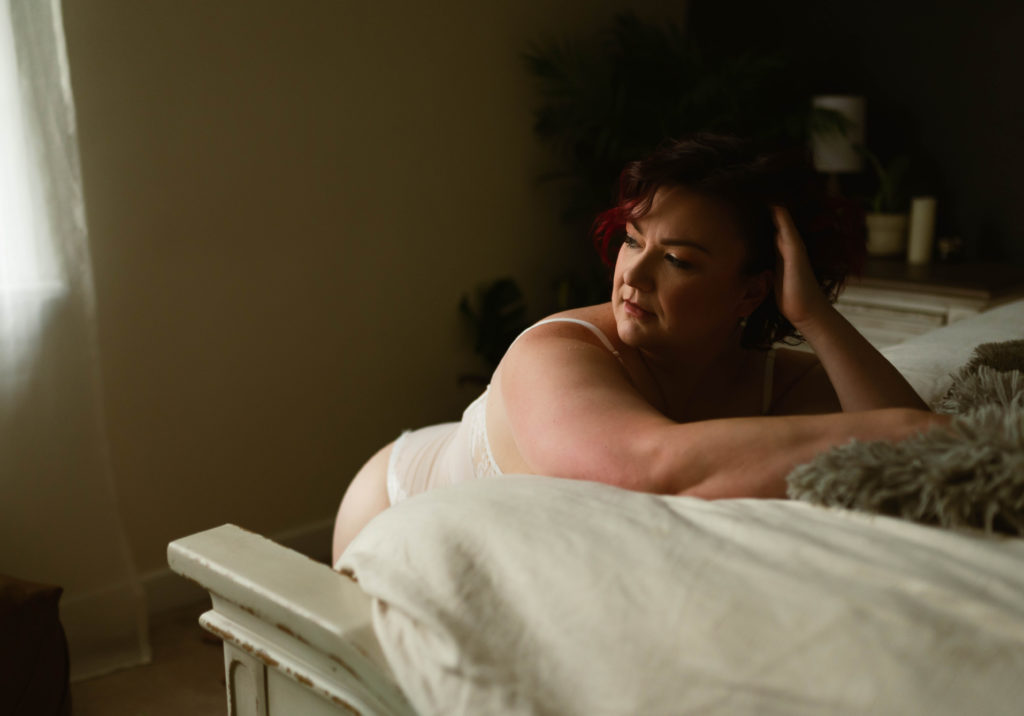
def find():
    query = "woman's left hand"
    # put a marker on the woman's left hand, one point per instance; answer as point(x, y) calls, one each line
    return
point(796, 290)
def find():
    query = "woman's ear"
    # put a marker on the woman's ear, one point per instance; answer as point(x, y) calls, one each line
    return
point(756, 291)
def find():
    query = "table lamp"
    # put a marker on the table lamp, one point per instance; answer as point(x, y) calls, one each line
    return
point(837, 151)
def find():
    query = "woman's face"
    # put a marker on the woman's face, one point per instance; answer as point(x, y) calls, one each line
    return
point(679, 279)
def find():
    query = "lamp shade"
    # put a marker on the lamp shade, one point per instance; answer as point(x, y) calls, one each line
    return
point(836, 152)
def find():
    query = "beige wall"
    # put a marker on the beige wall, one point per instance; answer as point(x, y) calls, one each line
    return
point(286, 200)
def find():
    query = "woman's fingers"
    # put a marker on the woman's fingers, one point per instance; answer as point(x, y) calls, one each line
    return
point(788, 237)
point(797, 291)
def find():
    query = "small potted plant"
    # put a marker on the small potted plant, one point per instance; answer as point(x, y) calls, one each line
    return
point(887, 215)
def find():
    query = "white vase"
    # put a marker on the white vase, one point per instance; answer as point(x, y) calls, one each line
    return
point(887, 234)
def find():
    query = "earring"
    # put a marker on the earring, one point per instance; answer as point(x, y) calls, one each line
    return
point(743, 322)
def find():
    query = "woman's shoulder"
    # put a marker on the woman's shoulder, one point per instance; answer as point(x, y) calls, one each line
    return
point(558, 345)
point(588, 323)
point(552, 335)
point(600, 313)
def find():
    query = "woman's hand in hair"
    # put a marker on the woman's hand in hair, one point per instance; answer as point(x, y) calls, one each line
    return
point(862, 378)
point(797, 293)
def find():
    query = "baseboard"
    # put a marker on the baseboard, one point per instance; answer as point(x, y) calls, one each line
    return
point(106, 630)
point(165, 590)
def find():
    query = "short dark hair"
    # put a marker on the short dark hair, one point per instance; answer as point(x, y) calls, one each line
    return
point(749, 181)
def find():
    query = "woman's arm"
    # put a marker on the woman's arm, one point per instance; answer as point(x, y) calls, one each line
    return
point(575, 414)
point(862, 378)
point(751, 457)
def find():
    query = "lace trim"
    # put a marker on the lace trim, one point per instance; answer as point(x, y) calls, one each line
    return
point(475, 417)
point(475, 414)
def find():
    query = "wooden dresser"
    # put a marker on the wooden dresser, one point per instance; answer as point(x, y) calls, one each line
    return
point(893, 300)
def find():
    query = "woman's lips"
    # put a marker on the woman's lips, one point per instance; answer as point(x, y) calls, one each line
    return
point(635, 311)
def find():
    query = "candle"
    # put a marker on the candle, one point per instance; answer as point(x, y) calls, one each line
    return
point(922, 230)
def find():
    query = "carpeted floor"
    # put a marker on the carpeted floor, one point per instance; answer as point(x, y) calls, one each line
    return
point(186, 675)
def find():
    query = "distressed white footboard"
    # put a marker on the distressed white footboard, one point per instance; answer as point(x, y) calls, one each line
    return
point(297, 636)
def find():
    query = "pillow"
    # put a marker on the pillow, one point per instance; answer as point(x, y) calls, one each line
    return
point(1004, 356)
point(928, 361)
point(992, 375)
point(980, 387)
point(971, 476)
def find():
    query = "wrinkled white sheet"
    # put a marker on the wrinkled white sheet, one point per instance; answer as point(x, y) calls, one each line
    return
point(522, 594)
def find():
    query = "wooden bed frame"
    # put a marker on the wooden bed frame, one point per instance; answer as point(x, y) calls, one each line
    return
point(298, 637)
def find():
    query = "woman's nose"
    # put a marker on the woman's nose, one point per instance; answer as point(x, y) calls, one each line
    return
point(637, 273)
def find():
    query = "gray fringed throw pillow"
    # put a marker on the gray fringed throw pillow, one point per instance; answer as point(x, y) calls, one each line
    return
point(1003, 356)
point(971, 476)
point(980, 387)
point(992, 375)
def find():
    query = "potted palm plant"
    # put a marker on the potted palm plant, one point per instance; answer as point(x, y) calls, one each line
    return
point(887, 215)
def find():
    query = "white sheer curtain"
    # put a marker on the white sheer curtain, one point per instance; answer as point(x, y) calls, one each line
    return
point(59, 522)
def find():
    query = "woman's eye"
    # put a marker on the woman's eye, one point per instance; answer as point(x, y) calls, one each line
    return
point(680, 263)
point(631, 242)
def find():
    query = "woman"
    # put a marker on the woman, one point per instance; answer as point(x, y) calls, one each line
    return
point(673, 386)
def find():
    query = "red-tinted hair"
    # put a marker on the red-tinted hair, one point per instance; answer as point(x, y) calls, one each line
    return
point(750, 182)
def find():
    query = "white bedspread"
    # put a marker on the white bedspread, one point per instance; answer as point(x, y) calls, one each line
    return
point(538, 595)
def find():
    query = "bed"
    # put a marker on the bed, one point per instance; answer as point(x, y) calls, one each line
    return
point(529, 594)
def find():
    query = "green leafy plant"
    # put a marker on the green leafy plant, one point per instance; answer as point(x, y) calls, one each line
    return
point(891, 193)
point(494, 315)
point(613, 98)
point(891, 179)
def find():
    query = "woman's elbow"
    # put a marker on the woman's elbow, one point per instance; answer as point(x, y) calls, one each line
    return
point(644, 460)
point(626, 472)
point(723, 487)
point(634, 465)
point(671, 469)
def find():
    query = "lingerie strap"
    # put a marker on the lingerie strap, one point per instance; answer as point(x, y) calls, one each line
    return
point(589, 326)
